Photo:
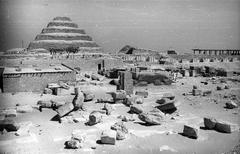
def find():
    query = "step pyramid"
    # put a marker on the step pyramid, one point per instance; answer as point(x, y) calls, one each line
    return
point(62, 33)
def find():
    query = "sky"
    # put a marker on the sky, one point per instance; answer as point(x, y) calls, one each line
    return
point(152, 24)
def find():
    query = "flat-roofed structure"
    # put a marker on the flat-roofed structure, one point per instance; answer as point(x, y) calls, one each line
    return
point(34, 79)
point(216, 51)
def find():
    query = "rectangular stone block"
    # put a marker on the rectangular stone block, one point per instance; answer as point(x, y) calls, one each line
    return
point(65, 109)
point(190, 131)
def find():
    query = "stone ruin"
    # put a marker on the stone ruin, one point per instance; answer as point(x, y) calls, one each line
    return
point(60, 34)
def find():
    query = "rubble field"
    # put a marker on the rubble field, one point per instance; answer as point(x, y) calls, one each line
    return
point(193, 115)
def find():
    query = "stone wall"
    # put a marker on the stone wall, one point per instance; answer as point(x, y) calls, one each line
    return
point(34, 82)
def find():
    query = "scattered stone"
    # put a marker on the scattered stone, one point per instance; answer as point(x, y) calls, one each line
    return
point(120, 135)
point(94, 118)
point(223, 127)
point(151, 118)
point(219, 88)
point(24, 128)
point(142, 84)
point(138, 100)
point(108, 137)
point(167, 107)
point(9, 125)
point(169, 96)
point(8, 113)
point(47, 91)
point(65, 109)
point(67, 119)
point(78, 101)
point(73, 144)
point(114, 82)
point(136, 108)
point(190, 131)
point(231, 105)
point(196, 92)
point(142, 93)
point(119, 95)
point(226, 87)
point(209, 122)
point(24, 109)
point(97, 77)
point(108, 108)
point(79, 135)
point(195, 87)
point(126, 118)
point(207, 92)
point(64, 85)
point(164, 101)
point(88, 96)
point(119, 126)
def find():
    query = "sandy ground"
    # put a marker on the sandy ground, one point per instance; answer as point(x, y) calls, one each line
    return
point(48, 136)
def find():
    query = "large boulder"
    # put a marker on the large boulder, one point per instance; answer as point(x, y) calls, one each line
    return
point(231, 105)
point(108, 137)
point(223, 127)
point(136, 108)
point(209, 122)
point(190, 131)
point(151, 118)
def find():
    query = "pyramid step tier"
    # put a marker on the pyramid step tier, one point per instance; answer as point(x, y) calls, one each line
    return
point(62, 23)
point(63, 36)
point(62, 29)
point(60, 44)
point(62, 18)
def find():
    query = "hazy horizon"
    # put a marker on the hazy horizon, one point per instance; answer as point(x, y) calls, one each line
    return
point(152, 24)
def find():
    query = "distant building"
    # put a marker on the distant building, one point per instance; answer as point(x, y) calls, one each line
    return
point(171, 52)
point(216, 51)
point(129, 53)
point(33, 79)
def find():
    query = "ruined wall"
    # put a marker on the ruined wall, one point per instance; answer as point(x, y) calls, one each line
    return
point(34, 82)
